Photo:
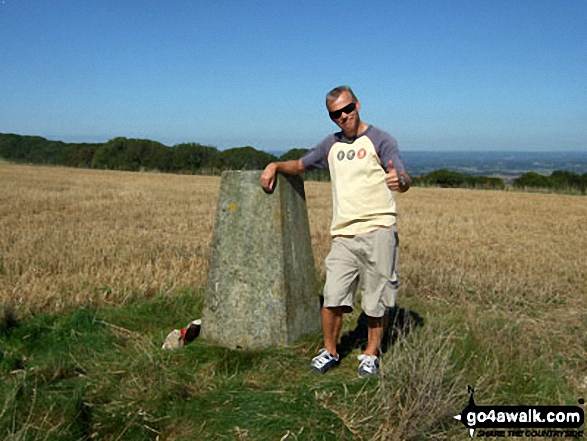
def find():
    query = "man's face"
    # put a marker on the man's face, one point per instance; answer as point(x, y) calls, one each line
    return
point(348, 122)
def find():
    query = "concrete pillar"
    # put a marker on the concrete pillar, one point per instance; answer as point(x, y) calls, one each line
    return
point(262, 290)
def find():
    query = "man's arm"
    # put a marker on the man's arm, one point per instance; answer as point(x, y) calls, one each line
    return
point(293, 167)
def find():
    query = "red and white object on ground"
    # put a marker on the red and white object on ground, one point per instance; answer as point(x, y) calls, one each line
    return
point(181, 337)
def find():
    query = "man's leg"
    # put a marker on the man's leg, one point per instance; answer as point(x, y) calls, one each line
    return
point(331, 326)
point(369, 362)
point(342, 276)
point(376, 328)
point(380, 288)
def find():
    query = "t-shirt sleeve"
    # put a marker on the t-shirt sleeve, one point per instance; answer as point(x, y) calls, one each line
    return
point(387, 148)
point(317, 158)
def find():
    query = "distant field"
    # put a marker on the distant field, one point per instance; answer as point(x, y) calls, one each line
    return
point(505, 272)
point(73, 236)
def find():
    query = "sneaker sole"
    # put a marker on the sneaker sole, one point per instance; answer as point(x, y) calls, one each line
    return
point(368, 375)
point(324, 368)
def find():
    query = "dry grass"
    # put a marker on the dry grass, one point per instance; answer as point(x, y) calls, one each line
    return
point(70, 236)
point(522, 247)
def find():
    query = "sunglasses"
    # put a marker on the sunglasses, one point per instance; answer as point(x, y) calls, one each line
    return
point(346, 109)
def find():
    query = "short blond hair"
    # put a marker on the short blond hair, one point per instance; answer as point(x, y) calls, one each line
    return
point(337, 91)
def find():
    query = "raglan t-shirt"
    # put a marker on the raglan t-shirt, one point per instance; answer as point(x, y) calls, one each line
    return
point(361, 199)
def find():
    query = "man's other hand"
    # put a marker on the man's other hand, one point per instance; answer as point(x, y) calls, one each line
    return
point(396, 182)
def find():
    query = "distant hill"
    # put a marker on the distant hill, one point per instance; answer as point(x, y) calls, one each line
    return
point(508, 165)
point(567, 170)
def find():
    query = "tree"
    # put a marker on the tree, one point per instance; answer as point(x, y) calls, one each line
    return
point(484, 182)
point(79, 155)
point(132, 155)
point(243, 158)
point(108, 155)
point(562, 180)
point(533, 180)
point(193, 157)
point(444, 178)
point(293, 154)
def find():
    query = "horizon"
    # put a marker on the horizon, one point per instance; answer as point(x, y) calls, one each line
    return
point(457, 75)
point(448, 150)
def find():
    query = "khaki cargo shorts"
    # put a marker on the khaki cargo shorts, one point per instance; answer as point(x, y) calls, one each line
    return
point(372, 260)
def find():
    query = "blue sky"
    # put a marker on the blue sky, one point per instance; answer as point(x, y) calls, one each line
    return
point(438, 75)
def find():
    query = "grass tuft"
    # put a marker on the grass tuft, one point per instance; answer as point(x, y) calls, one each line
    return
point(421, 386)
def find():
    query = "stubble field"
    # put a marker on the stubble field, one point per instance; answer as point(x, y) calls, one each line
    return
point(498, 278)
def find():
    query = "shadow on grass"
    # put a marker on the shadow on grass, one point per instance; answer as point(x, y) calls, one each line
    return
point(399, 324)
point(8, 320)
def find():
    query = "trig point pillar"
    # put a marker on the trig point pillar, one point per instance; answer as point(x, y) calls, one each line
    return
point(261, 284)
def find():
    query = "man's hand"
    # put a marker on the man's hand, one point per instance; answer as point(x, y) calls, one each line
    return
point(268, 177)
point(396, 182)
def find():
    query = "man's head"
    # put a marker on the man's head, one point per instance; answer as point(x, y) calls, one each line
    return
point(343, 108)
point(337, 91)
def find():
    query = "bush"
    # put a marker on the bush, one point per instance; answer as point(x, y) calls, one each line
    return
point(192, 157)
point(485, 182)
point(293, 154)
point(444, 178)
point(532, 179)
point(243, 158)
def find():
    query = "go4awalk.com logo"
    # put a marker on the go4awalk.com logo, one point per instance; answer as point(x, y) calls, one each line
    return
point(522, 421)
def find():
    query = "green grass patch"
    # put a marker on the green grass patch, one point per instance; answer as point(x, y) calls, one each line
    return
point(101, 374)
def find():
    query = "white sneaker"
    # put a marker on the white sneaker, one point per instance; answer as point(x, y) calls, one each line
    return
point(369, 366)
point(324, 361)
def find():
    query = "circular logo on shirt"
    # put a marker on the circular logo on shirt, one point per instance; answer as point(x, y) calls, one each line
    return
point(340, 155)
point(350, 155)
point(361, 153)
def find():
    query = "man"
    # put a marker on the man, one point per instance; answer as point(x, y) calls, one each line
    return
point(364, 166)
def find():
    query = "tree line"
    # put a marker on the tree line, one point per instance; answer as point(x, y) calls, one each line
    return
point(143, 154)
point(559, 180)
